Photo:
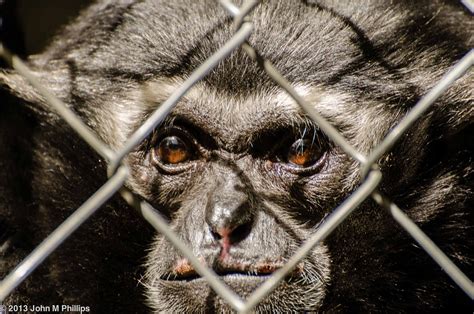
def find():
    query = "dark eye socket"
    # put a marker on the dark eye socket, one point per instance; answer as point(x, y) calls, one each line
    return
point(299, 149)
point(304, 153)
point(172, 150)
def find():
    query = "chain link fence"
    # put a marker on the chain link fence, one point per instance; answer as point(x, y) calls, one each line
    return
point(118, 171)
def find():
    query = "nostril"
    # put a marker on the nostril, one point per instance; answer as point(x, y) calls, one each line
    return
point(221, 233)
point(227, 237)
point(215, 234)
point(240, 233)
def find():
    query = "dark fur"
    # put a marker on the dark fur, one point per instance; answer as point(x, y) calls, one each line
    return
point(120, 59)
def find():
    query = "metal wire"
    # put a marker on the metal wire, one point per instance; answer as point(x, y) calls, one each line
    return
point(58, 236)
point(118, 171)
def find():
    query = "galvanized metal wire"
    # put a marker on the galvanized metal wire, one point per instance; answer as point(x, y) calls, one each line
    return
point(118, 170)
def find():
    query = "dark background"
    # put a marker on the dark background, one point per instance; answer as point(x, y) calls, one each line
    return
point(27, 26)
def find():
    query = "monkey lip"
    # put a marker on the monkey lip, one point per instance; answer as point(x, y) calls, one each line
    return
point(229, 275)
point(184, 271)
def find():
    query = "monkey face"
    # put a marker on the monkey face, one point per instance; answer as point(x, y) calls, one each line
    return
point(237, 197)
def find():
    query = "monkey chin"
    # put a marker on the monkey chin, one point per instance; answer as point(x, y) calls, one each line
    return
point(300, 293)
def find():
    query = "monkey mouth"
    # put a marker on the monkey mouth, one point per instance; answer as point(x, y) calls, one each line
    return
point(184, 271)
point(225, 274)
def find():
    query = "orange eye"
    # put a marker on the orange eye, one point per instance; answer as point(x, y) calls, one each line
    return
point(172, 150)
point(304, 153)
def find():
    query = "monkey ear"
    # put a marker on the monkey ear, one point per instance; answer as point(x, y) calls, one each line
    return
point(14, 85)
point(15, 89)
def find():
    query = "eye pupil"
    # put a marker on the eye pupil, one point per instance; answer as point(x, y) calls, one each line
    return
point(303, 153)
point(172, 150)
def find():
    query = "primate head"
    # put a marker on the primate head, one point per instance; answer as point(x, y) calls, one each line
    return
point(238, 168)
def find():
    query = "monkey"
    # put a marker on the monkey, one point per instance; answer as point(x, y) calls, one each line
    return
point(241, 173)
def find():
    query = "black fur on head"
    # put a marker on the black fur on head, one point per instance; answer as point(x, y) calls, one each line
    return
point(242, 174)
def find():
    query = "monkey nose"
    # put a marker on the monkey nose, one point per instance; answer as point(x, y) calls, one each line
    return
point(228, 213)
point(229, 223)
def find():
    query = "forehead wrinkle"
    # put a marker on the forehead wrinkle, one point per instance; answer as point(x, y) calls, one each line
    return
point(234, 121)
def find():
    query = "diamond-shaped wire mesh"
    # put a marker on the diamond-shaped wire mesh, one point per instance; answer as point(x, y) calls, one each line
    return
point(118, 170)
